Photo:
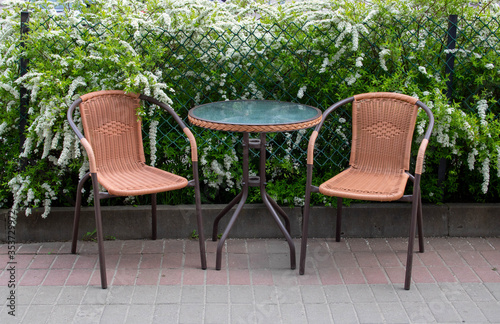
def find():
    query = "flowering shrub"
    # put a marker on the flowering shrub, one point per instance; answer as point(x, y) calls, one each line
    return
point(195, 51)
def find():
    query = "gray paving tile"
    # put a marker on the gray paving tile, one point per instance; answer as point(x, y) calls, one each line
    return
point(343, 313)
point(360, 293)
point(242, 313)
point(168, 295)
point(62, 314)
point(491, 310)
point(318, 313)
point(216, 313)
point(469, 312)
point(193, 295)
point(313, 294)
point(95, 296)
point(337, 294)
point(46, 295)
point(368, 312)
point(24, 294)
point(120, 294)
point(165, 313)
point(393, 312)
point(37, 314)
point(191, 313)
point(88, 314)
point(217, 294)
point(419, 312)
point(18, 312)
point(454, 291)
point(140, 314)
point(293, 313)
point(265, 295)
point(241, 295)
point(494, 288)
point(430, 292)
point(478, 292)
point(72, 295)
point(144, 295)
point(384, 293)
point(267, 313)
point(412, 295)
point(444, 312)
point(114, 313)
point(288, 294)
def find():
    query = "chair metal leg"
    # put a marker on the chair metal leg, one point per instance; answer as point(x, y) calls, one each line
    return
point(153, 217)
point(78, 205)
point(420, 225)
point(305, 221)
point(199, 216)
point(339, 219)
point(100, 236)
point(413, 225)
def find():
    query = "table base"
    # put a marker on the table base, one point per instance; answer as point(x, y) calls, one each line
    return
point(241, 198)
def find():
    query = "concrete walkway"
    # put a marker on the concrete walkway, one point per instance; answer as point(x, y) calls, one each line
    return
point(355, 281)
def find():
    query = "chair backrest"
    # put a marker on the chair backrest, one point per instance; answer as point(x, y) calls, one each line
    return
point(382, 131)
point(112, 127)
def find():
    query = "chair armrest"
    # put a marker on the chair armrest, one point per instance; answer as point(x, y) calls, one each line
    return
point(420, 156)
point(310, 147)
point(192, 142)
point(85, 143)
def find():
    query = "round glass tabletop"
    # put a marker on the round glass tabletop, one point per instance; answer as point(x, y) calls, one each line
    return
point(254, 115)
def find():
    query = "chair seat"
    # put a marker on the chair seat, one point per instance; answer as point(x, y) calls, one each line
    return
point(135, 179)
point(366, 185)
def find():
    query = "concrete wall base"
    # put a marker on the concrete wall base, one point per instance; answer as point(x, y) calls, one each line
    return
point(174, 222)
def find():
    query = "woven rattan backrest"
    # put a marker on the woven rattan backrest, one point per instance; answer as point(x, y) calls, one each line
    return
point(382, 133)
point(112, 127)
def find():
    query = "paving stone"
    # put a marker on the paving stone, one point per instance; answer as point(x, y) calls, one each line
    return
point(37, 314)
point(96, 296)
point(343, 313)
point(193, 295)
point(88, 314)
point(72, 295)
point(46, 295)
point(393, 312)
point(337, 294)
point(288, 294)
point(313, 294)
point(24, 294)
point(494, 289)
point(318, 313)
point(114, 314)
point(419, 312)
point(166, 313)
point(120, 294)
point(478, 292)
point(216, 313)
point(168, 294)
point(191, 313)
point(293, 313)
point(140, 314)
point(62, 314)
point(241, 294)
point(491, 310)
point(265, 295)
point(360, 293)
point(368, 313)
point(454, 292)
point(144, 295)
point(444, 312)
point(217, 294)
point(469, 312)
point(267, 313)
point(384, 293)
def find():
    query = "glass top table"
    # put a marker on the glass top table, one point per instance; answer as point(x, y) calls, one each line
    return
point(254, 116)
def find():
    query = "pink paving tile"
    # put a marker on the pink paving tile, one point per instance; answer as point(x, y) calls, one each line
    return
point(111, 261)
point(33, 277)
point(358, 245)
point(172, 260)
point(388, 259)
point(214, 277)
point(452, 258)
point(420, 275)
point(430, 259)
point(79, 277)
point(465, 274)
point(125, 277)
point(344, 260)
point(7, 276)
point(239, 277)
point(64, 261)
point(352, 275)
point(440, 243)
point(51, 247)
point(155, 246)
point(403, 256)
point(258, 260)
point(374, 275)
point(171, 277)
point(86, 262)
point(334, 246)
point(285, 277)
point(132, 247)
point(474, 259)
point(113, 247)
point(95, 278)
point(238, 260)
point(487, 274)
point(460, 244)
point(379, 244)
point(330, 277)
point(492, 257)
point(236, 246)
point(56, 277)
point(87, 247)
point(148, 277)
point(151, 261)
point(176, 246)
point(129, 261)
point(366, 259)
point(193, 276)
point(480, 244)
point(30, 248)
point(495, 242)
point(398, 244)
point(442, 274)
point(191, 246)
point(320, 255)
point(261, 277)
point(23, 260)
point(256, 246)
point(193, 260)
point(310, 277)
point(396, 275)
point(42, 261)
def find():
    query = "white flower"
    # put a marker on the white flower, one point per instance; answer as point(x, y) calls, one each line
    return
point(489, 66)
point(301, 91)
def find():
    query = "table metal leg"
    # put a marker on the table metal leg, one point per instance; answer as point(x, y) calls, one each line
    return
point(233, 202)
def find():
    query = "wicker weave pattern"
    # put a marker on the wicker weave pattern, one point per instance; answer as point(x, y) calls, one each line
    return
point(254, 128)
point(382, 134)
point(113, 130)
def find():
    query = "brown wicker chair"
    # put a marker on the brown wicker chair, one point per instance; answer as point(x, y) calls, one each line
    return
point(113, 143)
point(382, 132)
